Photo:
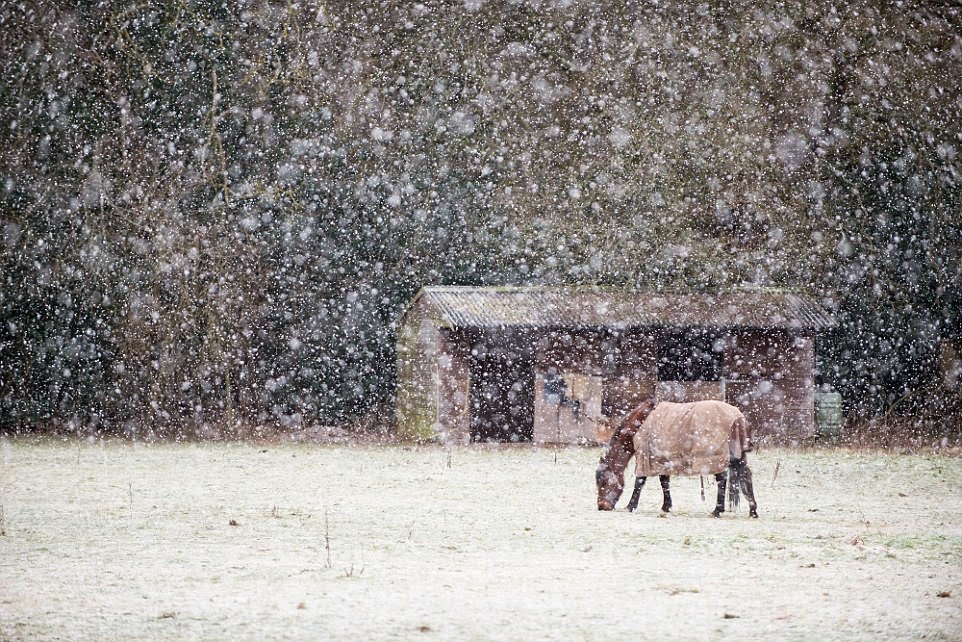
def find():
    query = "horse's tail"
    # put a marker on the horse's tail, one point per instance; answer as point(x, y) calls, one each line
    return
point(733, 483)
point(740, 440)
point(739, 443)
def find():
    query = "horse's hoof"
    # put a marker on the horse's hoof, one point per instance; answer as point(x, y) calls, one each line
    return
point(753, 513)
point(716, 513)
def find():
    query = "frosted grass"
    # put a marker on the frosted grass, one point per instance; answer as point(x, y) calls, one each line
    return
point(120, 540)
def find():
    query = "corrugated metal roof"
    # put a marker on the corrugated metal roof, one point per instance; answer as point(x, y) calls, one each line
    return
point(496, 307)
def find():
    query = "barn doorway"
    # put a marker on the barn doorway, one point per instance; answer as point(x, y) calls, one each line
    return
point(690, 366)
point(502, 389)
point(692, 355)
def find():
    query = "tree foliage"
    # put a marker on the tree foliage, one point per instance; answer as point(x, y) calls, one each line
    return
point(215, 211)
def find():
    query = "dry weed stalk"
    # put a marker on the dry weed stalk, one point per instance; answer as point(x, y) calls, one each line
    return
point(327, 536)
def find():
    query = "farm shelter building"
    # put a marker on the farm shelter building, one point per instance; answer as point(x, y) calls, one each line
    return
point(564, 364)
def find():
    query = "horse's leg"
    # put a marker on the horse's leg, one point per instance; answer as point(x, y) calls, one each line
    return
point(666, 504)
point(722, 479)
point(745, 477)
point(636, 493)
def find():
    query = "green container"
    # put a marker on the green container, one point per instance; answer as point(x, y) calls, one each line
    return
point(828, 414)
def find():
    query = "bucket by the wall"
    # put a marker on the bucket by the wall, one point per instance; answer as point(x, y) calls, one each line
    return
point(828, 413)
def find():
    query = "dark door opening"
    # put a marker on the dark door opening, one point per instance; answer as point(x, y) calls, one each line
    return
point(689, 356)
point(502, 391)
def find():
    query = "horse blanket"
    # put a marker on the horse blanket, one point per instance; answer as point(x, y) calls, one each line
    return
point(696, 438)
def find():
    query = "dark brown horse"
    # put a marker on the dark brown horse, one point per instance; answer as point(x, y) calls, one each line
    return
point(610, 476)
point(696, 438)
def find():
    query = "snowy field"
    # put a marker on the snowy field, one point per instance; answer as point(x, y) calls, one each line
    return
point(121, 541)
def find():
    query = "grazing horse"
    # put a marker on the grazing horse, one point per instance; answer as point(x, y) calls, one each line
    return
point(698, 438)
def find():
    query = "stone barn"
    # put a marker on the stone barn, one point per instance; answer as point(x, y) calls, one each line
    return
point(563, 364)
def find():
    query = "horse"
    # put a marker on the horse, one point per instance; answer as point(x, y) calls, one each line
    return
point(697, 438)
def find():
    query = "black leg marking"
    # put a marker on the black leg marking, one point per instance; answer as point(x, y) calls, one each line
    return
point(722, 479)
point(636, 493)
point(666, 492)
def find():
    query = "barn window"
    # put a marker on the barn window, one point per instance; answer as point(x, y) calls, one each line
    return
point(689, 356)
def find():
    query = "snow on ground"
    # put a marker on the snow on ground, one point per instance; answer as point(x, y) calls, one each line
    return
point(214, 541)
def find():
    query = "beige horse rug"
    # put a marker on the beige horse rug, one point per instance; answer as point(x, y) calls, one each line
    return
point(696, 438)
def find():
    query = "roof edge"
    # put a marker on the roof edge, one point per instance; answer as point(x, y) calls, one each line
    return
point(812, 316)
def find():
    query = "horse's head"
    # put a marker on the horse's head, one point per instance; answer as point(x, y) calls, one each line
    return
point(610, 484)
point(610, 475)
